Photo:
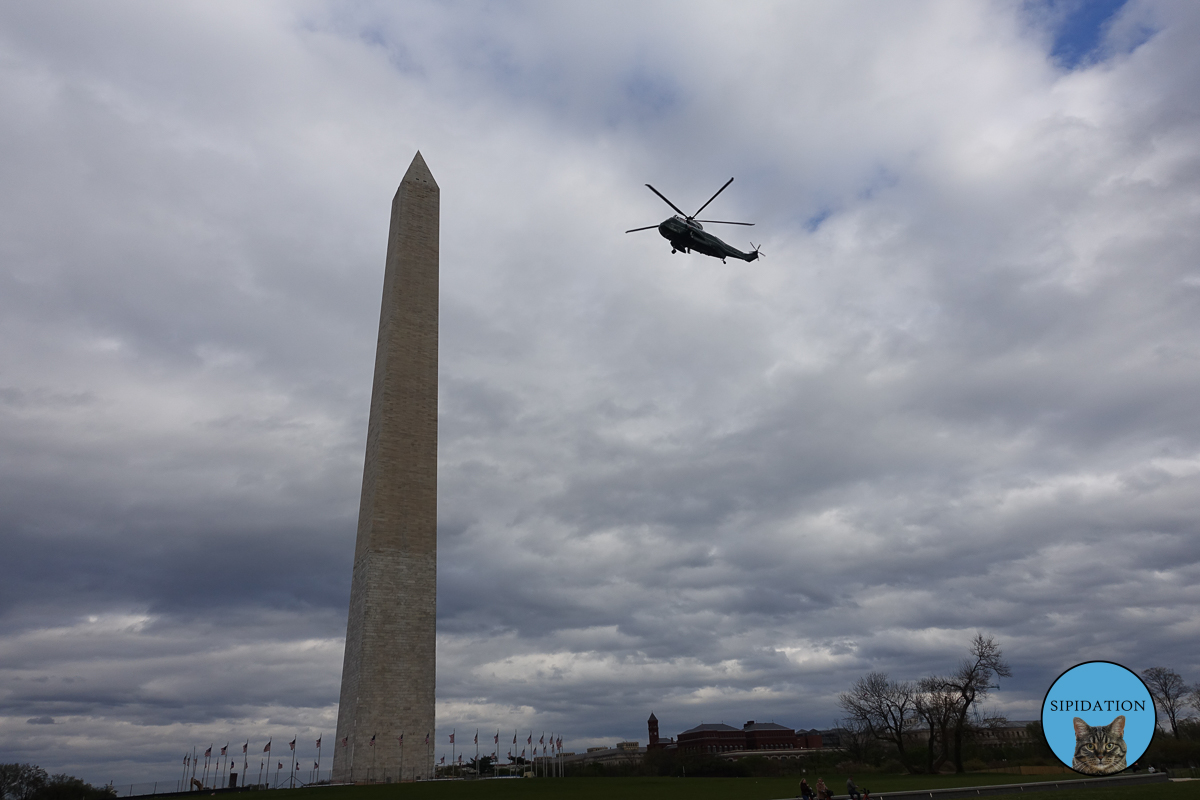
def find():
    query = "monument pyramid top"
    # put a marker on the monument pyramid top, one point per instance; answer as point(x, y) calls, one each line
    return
point(418, 172)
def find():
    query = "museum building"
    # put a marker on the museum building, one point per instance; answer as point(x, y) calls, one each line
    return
point(721, 738)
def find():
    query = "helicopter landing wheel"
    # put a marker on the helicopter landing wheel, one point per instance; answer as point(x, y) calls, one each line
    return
point(672, 252)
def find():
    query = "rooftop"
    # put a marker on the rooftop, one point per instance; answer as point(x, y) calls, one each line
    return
point(712, 726)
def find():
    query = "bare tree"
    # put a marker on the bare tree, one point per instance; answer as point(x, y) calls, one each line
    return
point(1168, 690)
point(21, 781)
point(885, 709)
point(970, 683)
point(935, 707)
point(856, 740)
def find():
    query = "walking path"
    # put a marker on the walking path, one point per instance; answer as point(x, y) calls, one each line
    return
point(1015, 788)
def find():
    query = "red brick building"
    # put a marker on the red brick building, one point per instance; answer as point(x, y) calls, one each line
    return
point(769, 736)
point(717, 738)
point(712, 738)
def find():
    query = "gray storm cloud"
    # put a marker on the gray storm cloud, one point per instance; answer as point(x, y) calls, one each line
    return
point(955, 396)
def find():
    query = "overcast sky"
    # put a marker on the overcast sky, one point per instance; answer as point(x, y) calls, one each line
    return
point(959, 394)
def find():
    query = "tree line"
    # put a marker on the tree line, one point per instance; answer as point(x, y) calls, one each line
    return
point(30, 782)
point(944, 710)
point(1172, 698)
point(943, 707)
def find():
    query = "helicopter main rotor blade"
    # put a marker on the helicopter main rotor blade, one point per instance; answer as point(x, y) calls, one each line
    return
point(668, 202)
point(714, 197)
point(648, 227)
point(722, 222)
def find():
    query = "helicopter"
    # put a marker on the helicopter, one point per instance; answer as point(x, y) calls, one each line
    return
point(685, 232)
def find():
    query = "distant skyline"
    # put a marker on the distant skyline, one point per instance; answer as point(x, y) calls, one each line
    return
point(956, 395)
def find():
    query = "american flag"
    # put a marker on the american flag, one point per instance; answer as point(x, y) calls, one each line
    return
point(208, 752)
point(344, 740)
point(497, 737)
point(280, 765)
point(476, 737)
point(402, 740)
point(427, 738)
point(452, 738)
point(372, 742)
point(316, 765)
point(318, 742)
point(185, 761)
point(223, 749)
point(246, 746)
point(267, 749)
point(292, 745)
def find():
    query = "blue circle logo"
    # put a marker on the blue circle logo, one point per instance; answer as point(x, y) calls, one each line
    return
point(1098, 718)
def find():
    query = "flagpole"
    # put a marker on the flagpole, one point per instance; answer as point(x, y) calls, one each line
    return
point(292, 775)
point(318, 778)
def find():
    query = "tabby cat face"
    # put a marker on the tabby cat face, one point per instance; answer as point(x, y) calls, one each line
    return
point(1100, 750)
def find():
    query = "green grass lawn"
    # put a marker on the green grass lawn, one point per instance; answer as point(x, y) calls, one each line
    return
point(709, 788)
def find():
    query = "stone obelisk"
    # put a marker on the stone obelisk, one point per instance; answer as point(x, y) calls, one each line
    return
point(388, 672)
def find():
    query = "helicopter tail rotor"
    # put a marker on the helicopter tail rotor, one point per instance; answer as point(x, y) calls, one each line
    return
point(757, 251)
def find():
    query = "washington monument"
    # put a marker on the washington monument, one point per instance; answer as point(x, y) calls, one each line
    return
point(388, 671)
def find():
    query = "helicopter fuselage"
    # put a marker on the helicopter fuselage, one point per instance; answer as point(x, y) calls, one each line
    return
point(688, 235)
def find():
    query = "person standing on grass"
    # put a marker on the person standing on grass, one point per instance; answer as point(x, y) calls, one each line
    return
point(823, 792)
point(851, 789)
point(806, 791)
